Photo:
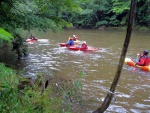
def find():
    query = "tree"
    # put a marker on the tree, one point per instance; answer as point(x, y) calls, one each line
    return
point(18, 15)
point(110, 94)
point(143, 13)
point(120, 10)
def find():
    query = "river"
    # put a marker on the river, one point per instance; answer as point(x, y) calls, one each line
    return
point(99, 67)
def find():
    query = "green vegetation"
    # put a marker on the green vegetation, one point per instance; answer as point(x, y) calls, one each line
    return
point(5, 35)
point(55, 15)
point(19, 15)
point(19, 96)
point(96, 13)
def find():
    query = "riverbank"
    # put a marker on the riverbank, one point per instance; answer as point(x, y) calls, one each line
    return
point(135, 28)
point(122, 28)
point(19, 95)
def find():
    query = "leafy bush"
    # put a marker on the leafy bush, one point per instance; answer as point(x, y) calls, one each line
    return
point(54, 99)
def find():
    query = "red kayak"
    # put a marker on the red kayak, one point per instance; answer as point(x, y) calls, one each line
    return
point(62, 44)
point(76, 48)
point(32, 40)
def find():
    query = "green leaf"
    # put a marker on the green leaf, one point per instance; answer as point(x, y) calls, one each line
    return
point(103, 22)
point(5, 35)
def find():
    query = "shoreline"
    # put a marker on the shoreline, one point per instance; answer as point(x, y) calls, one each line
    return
point(122, 28)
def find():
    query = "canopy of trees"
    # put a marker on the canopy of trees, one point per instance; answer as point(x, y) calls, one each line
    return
point(31, 14)
point(18, 15)
point(111, 13)
point(57, 14)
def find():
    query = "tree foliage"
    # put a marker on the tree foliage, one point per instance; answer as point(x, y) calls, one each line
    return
point(143, 12)
point(5, 35)
point(96, 13)
point(33, 14)
point(19, 15)
point(55, 15)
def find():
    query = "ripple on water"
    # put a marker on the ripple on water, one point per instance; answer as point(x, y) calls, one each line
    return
point(43, 41)
point(30, 75)
point(116, 109)
point(59, 50)
point(123, 95)
point(137, 111)
point(138, 105)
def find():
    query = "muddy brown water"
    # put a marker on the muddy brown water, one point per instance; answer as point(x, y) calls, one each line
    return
point(99, 67)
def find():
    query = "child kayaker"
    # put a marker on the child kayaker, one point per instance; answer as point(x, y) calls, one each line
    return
point(84, 45)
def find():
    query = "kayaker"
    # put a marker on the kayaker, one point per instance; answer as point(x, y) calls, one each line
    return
point(32, 37)
point(144, 60)
point(70, 42)
point(84, 45)
point(75, 37)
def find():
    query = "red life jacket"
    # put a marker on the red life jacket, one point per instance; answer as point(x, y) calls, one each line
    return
point(144, 61)
point(84, 46)
point(147, 62)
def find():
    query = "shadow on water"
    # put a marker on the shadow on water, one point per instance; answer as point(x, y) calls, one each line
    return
point(46, 57)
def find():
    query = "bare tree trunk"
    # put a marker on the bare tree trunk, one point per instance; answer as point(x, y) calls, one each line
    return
point(110, 94)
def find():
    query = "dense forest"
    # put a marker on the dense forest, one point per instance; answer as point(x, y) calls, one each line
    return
point(18, 15)
point(55, 15)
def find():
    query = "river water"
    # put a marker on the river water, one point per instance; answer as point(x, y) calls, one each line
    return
point(99, 67)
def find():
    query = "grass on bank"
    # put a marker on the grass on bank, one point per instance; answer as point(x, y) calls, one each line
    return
point(58, 97)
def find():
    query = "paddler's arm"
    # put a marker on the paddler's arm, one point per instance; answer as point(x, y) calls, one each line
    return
point(140, 63)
